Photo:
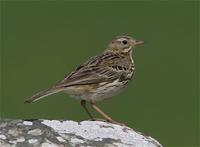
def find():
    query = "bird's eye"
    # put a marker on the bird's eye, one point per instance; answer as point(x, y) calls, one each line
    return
point(124, 42)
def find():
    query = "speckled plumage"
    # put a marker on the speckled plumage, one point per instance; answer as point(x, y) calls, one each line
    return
point(102, 76)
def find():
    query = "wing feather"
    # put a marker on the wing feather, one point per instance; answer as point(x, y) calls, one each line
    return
point(91, 72)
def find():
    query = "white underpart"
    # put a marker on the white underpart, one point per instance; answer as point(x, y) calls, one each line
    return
point(108, 90)
point(101, 93)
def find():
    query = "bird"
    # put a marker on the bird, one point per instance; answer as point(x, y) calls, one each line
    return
point(100, 77)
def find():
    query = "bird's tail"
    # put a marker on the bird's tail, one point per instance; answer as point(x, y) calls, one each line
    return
point(43, 94)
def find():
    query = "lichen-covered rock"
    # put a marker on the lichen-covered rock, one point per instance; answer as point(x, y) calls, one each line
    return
point(55, 133)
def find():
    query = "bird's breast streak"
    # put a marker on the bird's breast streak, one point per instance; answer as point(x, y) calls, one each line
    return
point(88, 93)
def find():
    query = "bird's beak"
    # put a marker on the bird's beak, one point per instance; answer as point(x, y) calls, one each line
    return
point(138, 42)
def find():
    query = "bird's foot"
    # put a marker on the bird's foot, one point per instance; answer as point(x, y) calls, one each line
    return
point(106, 120)
point(98, 119)
point(117, 123)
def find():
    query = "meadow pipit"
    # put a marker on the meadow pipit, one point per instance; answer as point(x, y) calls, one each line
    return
point(99, 78)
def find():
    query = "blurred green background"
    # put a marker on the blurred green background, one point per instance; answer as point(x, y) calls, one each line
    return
point(42, 41)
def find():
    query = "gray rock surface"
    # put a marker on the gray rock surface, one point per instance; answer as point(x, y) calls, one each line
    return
point(57, 133)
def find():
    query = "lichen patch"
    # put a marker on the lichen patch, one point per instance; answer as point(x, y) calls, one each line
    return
point(32, 141)
point(35, 132)
point(28, 123)
point(60, 139)
point(2, 136)
point(95, 131)
point(76, 141)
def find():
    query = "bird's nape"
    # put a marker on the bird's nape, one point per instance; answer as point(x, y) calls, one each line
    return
point(99, 78)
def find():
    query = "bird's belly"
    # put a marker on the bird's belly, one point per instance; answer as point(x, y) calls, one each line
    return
point(96, 93)
point(108, 90)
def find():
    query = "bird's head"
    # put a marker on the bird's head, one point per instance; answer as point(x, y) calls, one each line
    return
point(123, 44)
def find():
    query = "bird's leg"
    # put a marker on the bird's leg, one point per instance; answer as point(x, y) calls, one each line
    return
point(109, 119)
point(83, 104)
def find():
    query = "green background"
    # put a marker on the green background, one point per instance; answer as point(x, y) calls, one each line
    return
point(42, 41)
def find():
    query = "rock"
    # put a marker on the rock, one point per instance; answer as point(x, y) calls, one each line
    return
point(58, 133)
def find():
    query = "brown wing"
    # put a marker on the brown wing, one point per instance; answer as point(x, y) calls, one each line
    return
point(93, 71)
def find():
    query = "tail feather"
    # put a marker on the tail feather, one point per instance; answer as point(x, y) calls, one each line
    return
point(42, 94)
